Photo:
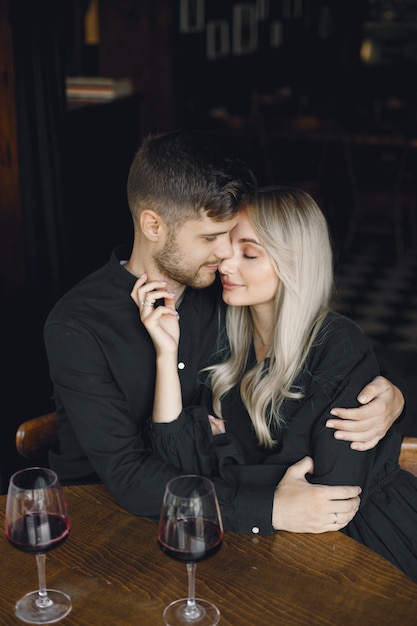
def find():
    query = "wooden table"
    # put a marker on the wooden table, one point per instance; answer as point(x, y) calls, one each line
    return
point(115, 573)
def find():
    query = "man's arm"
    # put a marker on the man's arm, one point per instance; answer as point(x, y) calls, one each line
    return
point(312, 508)
point(382, 404)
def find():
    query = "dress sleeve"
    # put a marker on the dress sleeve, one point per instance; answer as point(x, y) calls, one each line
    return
point(189, 445)
point(185, 442)
point(396, 380)
point(344, 364)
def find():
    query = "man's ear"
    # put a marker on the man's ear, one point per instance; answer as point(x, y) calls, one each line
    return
point(152, 225)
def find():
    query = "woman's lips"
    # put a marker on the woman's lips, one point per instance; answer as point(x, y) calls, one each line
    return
point(229, 286)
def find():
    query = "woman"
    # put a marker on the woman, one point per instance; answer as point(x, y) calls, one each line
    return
point(288, 359)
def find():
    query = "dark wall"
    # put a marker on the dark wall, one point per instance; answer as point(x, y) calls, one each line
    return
point(308, 47)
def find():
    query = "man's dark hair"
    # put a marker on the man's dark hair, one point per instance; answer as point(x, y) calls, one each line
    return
point(180, 173)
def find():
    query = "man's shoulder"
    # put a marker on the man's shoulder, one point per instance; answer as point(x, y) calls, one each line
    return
point(94, 293)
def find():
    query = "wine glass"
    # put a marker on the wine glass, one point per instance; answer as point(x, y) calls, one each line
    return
point(190, 530)
point(37, 521)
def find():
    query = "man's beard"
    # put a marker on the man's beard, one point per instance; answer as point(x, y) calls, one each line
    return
point(172, 263)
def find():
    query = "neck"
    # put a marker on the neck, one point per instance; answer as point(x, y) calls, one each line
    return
point(258, 341)
point(263, 326)
point(261, 349)
point(262, 346)
point(140, 263)
point(263, 332)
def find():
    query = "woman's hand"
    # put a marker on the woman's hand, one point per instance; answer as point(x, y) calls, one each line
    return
point(162, 325)
point(382, 404)
point(302, 507)
point(160, 322)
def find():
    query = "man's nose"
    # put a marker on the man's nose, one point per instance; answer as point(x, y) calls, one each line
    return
point(224, 250)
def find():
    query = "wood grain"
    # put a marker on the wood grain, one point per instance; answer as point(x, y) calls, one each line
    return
point(115, 573)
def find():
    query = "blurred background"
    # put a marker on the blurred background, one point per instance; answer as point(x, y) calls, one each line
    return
point(316, 93)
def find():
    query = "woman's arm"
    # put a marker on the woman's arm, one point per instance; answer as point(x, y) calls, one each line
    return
point(180, 438)
point(163, 327)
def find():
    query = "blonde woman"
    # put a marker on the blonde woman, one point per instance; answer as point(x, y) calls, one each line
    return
point(287, 360)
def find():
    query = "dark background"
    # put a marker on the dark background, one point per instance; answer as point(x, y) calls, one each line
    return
point(335, 70)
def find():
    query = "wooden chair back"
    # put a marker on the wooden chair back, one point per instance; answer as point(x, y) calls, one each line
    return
point(408, 456)
point(35, 436)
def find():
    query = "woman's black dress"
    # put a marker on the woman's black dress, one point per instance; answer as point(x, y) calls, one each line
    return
point(339, 365)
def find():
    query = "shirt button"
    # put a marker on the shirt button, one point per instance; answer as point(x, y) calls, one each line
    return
point(181, 365)
point(255, 530)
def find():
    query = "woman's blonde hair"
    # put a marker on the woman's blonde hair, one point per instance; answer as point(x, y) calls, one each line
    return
point(294, 233)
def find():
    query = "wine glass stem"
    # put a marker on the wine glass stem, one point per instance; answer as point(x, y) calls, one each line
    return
point(43, 599)
point(191, 611)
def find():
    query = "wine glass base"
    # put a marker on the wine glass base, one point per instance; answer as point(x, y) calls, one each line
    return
point(27, 609)
point(175, 614)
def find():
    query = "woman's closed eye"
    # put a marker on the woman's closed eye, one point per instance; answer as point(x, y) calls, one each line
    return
point(249, 251)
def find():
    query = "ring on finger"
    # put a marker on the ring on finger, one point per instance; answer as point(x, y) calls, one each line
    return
point(335, 518)
point(147, 303)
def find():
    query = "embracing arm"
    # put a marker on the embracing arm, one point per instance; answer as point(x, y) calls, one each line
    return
point(300, 506)
point(382, 403)
point(294, 505)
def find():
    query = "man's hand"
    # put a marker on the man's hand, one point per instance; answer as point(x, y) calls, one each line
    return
point(301, 507)
point(365, 426)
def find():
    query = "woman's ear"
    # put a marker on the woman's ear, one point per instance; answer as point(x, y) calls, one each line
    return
point(152, 224)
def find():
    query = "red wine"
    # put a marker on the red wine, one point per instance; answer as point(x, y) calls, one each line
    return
point(190, 540)
point(38, 532)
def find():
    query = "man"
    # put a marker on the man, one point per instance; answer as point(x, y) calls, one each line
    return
point(184, 198)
